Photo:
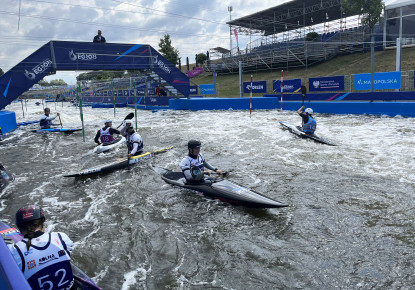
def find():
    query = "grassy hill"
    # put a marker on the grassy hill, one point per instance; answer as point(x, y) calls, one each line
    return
point(228, 85)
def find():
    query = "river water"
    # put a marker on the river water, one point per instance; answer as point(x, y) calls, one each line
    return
point(350, 223)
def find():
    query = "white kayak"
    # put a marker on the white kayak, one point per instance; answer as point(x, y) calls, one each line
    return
point(106, 147)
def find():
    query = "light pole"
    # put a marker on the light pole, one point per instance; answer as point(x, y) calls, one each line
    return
point(230, 30)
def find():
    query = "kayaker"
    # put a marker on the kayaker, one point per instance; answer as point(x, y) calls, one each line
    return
point(46, 120)
point(308, 124)
point(193, 165)
point(44, 258)
point(134, 141)
point(105, 134)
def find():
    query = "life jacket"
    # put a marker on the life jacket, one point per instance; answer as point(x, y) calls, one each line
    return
point(310, 126)
point(106, 137)
point(134, 138)
point(44, 122)
point(46, 267)
point(195, 162)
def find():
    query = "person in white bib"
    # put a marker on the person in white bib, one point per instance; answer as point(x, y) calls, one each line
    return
point(44, 258)
point(134, 141)
point(46, 120)
point(193, 165)
point(105, 135)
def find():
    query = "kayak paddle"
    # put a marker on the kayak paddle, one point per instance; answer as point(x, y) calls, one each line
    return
point(128, 117)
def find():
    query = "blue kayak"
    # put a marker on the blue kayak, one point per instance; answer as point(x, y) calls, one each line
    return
point(63, 130)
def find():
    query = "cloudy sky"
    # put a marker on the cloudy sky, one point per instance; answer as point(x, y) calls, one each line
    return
point(195, 26)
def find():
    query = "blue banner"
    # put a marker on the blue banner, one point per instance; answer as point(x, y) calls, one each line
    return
point(69, 55)
point(193, 90)
point(290, 86)
point(257, 87)
point(383, 81)
point(335, 83)
point(207, 89)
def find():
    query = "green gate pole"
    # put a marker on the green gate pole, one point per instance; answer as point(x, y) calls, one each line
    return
point(113, 96)
point(80, 110)
point(135, 108)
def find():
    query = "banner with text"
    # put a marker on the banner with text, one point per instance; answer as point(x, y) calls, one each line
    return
point(207, 89)
point(257, 87)
point(383, 81)
point(193, 90)
point(290, 86)
point(335, 83)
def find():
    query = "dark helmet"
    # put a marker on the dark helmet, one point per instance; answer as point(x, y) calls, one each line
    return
point(47, 109)
point(29, 213)
point(194, 144)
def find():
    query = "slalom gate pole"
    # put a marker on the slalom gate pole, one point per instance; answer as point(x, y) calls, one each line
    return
point(80, 110)
point(113, 96)
point(282, 85)
point(22, 107)
point(250, 101)
point(135, 108)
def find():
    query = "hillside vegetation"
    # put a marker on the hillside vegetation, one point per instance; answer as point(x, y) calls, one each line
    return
point(385, 61)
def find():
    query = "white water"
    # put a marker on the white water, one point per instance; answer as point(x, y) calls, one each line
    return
point(349, 224)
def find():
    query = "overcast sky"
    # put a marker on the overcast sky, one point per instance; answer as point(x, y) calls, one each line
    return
point(194, 26)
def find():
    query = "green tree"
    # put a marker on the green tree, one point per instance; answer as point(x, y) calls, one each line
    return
point(1, 72)
point(59, 82)
point(43, 83)
point(201, 58)
point(168, 51)
point(311, 36)
point(371, 11)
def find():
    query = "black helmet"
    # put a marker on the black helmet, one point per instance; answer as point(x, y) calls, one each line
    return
point(194, 144)
point(29, 213)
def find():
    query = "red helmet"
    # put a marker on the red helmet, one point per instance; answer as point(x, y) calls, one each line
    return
point(29, 213)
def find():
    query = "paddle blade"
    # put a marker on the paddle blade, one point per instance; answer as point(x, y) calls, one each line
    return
point(129, 116)
point(9, 232)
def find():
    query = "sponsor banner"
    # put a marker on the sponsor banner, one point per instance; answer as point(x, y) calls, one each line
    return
point(290, 86)
point(193, 90)
point(194, 72)
point(207, 89)
point(383, 81)
point(257, 87)
point(335, 83)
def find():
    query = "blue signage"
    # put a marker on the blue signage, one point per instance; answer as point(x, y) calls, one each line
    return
point(207, 89)
point(290, 86)
point(383, 81)
point(257, 87)
point(193, 90)
point(335, 83)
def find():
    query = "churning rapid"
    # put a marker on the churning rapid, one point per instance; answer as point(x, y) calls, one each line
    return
point(350, 223)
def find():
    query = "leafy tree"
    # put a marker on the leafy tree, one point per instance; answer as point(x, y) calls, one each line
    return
point(312, 36)
point(371, 11)
point(201, 58)
point(100, 75)
point(59, 82)
point(43, 83)
point(1, 72)
point(168, 51)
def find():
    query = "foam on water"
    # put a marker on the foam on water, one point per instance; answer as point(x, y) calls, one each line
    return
point(350, 220)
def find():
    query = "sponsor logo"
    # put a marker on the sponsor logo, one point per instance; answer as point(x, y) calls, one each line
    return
point(161, 64)
point(28, 252)
point(47, 259)
point(40, 68)
point(316, 84)
point(31, 264)
point(61, 253)
point(257, 87)
point(82, 56)
point(28, 214)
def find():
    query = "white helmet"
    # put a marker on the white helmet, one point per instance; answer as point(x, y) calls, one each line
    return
point(128, 122)
point(309, 111)
point(107, 121)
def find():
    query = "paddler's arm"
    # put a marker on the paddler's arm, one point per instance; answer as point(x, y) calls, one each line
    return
point(300, 110)
point(114, 131)
point(96, 139)
point(208, 166)
point(185, 167)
